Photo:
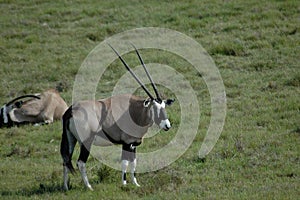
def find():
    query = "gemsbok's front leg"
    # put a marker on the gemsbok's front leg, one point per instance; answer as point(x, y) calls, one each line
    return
point(124, 169)
point(133, 166)
point(129, 155)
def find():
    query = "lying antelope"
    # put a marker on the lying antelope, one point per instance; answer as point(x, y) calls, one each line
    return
point(39, 109)
point(121, 119)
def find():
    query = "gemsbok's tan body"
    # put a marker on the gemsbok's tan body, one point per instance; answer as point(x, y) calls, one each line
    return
point(121, 119)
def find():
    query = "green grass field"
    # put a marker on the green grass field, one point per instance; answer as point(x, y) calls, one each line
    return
point(256, 46)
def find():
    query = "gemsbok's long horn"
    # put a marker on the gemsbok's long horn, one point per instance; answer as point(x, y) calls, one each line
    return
point(150, 78)
point(21, 97)
point(133, 74)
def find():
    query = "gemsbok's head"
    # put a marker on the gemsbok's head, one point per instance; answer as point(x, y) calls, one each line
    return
point(157, 105)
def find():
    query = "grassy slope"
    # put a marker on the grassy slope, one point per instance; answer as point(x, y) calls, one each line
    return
point(256, 47)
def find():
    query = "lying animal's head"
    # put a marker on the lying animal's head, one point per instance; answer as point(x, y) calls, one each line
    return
point(5, 119)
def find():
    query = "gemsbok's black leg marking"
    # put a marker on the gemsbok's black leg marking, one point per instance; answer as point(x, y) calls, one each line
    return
point(129, 156)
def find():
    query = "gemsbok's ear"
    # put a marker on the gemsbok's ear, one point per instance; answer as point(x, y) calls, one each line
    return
point(169, 102)
point(147, 103)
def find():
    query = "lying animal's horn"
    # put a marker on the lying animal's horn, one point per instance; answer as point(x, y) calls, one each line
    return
point(133, 74)
point(21, 97)
point(150, 78)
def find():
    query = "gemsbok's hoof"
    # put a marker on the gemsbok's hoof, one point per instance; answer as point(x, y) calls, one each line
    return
point(124, 183)
point(65, 188)
point(136, 183)
point(90, 187)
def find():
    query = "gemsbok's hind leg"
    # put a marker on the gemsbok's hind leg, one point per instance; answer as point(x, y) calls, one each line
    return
point(129, 155)
point(133, 167)
point(67, 149)
point(82, 169)
point(81, 163)
point(66, 178)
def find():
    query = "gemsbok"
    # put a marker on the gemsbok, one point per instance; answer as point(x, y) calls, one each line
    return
point(120, 119)
point(41, 108)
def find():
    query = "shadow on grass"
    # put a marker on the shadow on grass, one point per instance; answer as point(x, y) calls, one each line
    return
point(167, 180)
point(37, 190)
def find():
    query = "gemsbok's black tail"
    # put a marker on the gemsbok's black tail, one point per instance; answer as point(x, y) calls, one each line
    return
point(68, 142)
